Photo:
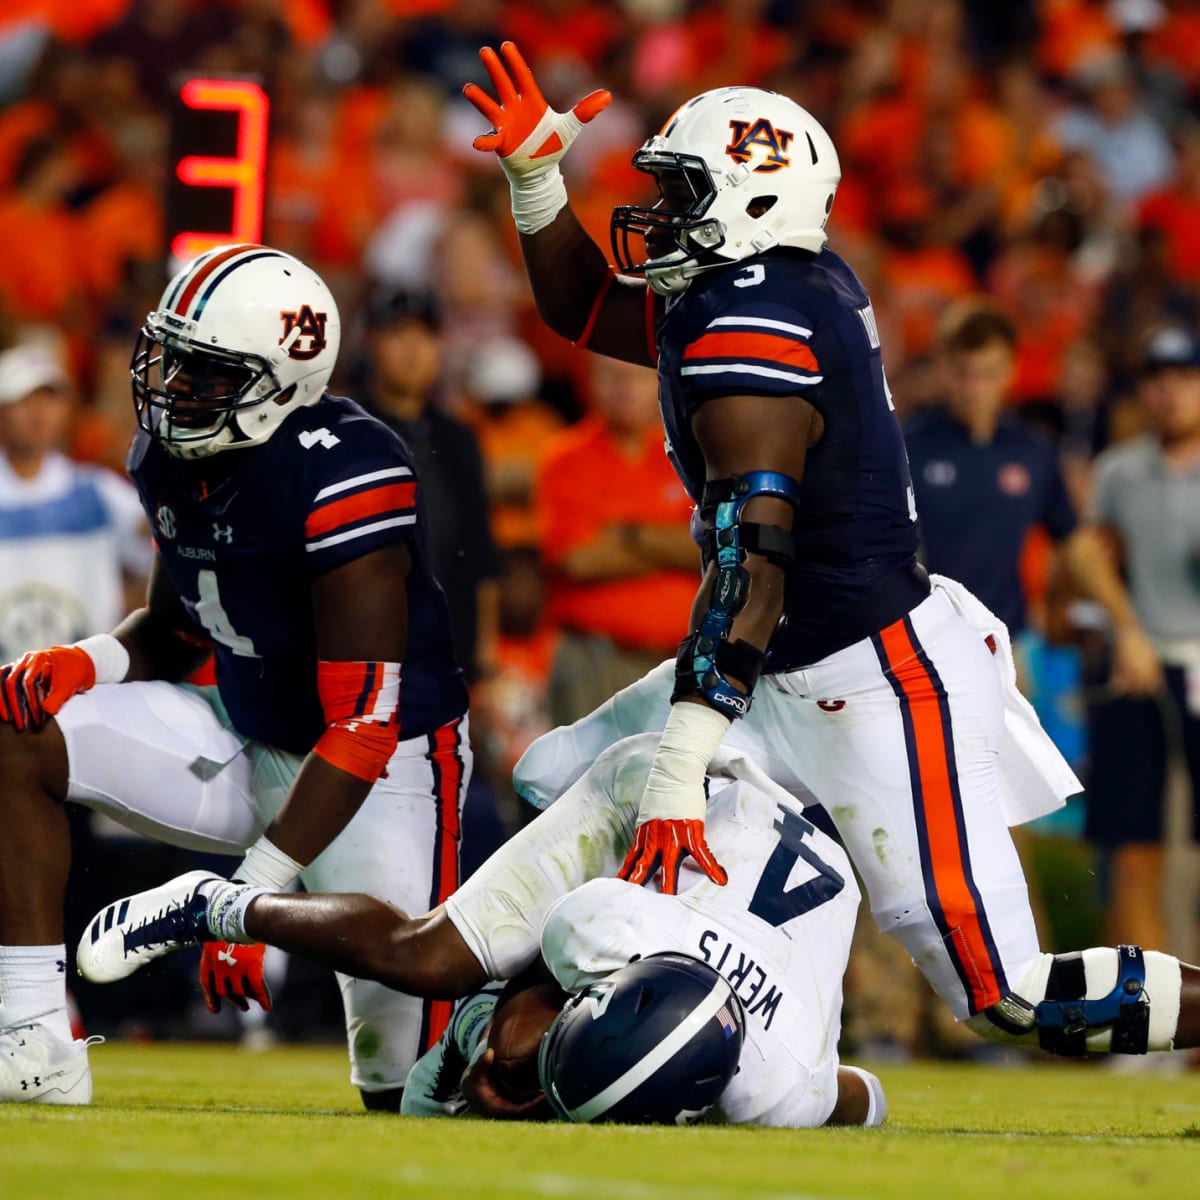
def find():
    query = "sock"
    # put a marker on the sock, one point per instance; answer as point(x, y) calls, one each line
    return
point(877, 1102)
point(33, 985)
point(227, 904)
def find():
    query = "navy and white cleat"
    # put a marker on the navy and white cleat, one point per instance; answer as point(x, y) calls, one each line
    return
point(129, 933)
point(38, 1068)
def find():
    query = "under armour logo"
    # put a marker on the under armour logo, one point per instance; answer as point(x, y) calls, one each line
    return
point(227, 957)
point(61, 966)
point(222, 533)
point(26, 1084)
point(318, 437)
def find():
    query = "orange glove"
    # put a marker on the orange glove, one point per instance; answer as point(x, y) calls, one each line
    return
point(39, 683)
point(526, 132)
point(661, 845)
point(233, 972)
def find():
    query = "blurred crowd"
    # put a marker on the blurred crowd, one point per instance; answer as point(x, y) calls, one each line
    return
point(1038, 160)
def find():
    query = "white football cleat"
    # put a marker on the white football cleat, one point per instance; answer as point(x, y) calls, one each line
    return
point(38, 1068)
point(130, 933)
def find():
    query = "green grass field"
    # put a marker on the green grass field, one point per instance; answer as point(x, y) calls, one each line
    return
point(173, 1122)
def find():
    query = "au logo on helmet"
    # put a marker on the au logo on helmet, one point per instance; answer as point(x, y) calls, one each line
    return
point(311, 326)
point(745, 134)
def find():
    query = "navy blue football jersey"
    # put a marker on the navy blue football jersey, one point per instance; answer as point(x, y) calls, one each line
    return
point(794, 324)
point(331, 485)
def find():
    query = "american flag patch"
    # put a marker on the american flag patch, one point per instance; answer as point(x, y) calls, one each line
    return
point(726, 1020)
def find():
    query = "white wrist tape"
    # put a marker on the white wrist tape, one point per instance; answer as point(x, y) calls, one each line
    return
point(108, 655)
point(675, 785)
point(537, 197)
point(265, 865)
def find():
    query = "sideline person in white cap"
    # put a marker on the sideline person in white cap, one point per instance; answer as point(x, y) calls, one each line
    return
point(72, 536)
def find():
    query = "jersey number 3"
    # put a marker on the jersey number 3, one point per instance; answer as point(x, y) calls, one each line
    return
point(776, 903)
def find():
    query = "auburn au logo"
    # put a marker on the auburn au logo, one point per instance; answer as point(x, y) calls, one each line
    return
point(744, 135)
point(312, 328)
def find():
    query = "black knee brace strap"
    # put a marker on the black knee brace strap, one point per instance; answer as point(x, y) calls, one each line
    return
point(1064, 1017)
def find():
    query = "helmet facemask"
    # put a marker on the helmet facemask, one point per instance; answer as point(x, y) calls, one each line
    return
point(676, 232)
point(189, 396)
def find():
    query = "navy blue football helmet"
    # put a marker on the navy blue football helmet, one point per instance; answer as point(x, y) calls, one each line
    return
point(655, 1043)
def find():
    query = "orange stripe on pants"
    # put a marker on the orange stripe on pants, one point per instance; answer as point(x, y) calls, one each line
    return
point(938, 813)
point(448, 772)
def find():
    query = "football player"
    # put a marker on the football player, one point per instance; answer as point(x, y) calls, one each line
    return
point(781, 426)
point(778, 934)
point(333, 748)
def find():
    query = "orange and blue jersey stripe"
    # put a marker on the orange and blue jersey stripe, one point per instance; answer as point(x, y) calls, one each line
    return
point(756, 353)
point(950, 889)
point(360, 506)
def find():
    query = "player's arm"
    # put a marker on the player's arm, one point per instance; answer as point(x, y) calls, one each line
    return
point(576, 291)
point(360, 613)
point(157, 641)
point(754, 447)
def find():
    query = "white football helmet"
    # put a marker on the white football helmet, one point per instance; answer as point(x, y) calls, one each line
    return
point(242, 336)
point(720, 155)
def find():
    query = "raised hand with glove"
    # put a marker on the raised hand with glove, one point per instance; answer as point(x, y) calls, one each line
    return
point(528, 136)
point(39, 683)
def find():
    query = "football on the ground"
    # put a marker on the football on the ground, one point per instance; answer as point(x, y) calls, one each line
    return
point(516, 1033)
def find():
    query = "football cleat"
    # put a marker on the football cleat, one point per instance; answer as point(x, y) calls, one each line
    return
point(38, 1068)
point(129, 933)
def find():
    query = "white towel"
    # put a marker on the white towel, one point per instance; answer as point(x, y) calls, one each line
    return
point(1035, 779)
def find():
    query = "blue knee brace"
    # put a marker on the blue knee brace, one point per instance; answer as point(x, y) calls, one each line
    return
point(1064, 1017)
point(706, 656)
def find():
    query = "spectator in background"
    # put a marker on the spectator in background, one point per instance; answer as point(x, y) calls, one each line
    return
point(983, 482)
point(514, 429)
point(1147, 495)
point(74, 553)
point(1113, 129)
point(623, 569)
point(405, 362)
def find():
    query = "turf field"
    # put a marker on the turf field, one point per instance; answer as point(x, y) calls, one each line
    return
point(173, 1122)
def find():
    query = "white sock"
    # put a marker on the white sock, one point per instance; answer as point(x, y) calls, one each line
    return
point(227, 904)
point(33, 984)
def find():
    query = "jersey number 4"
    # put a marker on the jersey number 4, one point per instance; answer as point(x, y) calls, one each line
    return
point(773, 900)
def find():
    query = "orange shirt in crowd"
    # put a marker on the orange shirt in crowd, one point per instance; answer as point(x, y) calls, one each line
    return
point(587, 484)
point(522, 436)
point(1177, 217)
point(39, 267)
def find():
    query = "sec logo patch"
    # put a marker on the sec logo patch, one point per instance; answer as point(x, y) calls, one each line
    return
point(164, 521)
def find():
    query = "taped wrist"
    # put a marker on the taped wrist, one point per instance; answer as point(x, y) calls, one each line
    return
point(675, 785)
point(265, 865)
point(361, 701)
point(108, 655)
point(537, 196)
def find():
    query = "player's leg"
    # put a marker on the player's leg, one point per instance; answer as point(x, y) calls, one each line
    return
point(488, 929)
point(152, 756)
point(915, 794)
point(402, 847)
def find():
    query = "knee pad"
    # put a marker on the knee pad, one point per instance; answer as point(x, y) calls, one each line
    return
point(1122, 1000)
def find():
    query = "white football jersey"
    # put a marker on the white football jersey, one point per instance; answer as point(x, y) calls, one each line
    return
point(66, 536)
point(779, 931)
